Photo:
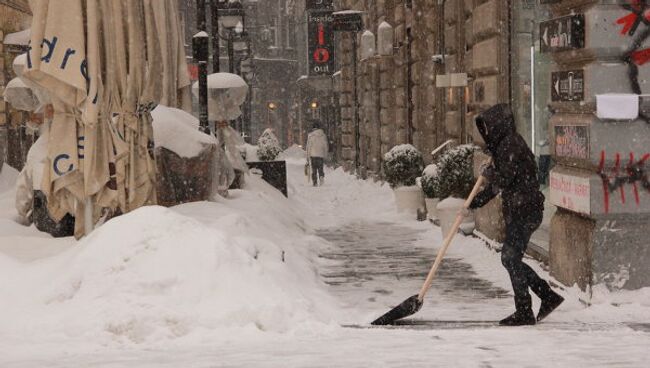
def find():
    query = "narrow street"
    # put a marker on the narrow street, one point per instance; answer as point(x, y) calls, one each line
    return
point(375, 259)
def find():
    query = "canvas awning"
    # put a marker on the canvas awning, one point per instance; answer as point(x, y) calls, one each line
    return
point(104, 73)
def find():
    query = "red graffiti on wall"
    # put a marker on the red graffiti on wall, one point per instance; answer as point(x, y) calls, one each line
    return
point(633, 174)
point(638, 14)
point(636, 25)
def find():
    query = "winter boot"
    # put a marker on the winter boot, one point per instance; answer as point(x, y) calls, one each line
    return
point(322, 181)
point(523, 317)
point(548, 305)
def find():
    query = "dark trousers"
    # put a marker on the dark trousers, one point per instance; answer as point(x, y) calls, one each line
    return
point(522, 277)
point(317, 169)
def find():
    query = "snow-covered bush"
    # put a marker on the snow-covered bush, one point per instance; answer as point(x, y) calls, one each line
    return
point(268, 146)
point(455, 173)
point(403, 165)
point(429, 182)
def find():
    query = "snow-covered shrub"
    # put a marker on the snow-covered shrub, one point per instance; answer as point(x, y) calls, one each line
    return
point(268, 146)
point(429, 182)
point(455, 173)
point(403, 165)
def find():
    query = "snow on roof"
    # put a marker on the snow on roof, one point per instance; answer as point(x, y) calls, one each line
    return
point(18, 38)
point(201, 34)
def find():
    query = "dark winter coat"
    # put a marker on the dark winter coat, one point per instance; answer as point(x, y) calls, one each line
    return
point(514, 173)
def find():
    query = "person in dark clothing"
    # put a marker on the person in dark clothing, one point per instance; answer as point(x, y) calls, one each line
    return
point(513, 174)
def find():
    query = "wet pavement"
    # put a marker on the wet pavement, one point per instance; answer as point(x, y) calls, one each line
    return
point(378, 265)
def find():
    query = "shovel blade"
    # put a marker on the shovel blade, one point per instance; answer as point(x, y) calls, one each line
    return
point(408, 307)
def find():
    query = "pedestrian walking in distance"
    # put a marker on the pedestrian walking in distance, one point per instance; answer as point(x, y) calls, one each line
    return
point(317, 150)
point(513, 174)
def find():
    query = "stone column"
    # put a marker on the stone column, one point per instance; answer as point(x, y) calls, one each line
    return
point(600, 183)
point(487, 62)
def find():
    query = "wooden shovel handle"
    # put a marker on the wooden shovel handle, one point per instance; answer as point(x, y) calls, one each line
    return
point(448, 239)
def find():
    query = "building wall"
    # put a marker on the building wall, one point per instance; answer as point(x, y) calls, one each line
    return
point(498, 44)
point(398, 98)
point(14, 140)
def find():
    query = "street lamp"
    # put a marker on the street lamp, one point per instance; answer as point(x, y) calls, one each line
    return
point(271, 106)
point(231, 17)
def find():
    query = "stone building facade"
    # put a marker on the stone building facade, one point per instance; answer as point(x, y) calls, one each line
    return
point(14, 138)
point(549, 60)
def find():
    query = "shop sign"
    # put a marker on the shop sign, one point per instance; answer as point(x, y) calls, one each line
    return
point(321, 43)
point(568, 86)
point(572, 141)
point(562, 34)
point(348, 21)
point(571, 192)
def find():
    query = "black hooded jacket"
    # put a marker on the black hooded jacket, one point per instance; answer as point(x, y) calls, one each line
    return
point(515, 168)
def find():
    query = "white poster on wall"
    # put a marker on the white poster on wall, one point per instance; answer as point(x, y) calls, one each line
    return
point(571, 192)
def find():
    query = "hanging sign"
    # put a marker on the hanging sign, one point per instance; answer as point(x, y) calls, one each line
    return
point(562, 34)
point(568, 86)
point(321, 45)
point(348, 21)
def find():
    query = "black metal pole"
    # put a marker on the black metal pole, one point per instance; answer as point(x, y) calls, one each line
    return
point(357, 148)
point(216, 53)
point(231, 53)
point(200, 43)
point(200, 16)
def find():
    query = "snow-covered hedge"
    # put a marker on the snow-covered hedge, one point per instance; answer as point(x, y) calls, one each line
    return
point(269, 146)
point(430, 184)
point(403, 165)
point(455, 174)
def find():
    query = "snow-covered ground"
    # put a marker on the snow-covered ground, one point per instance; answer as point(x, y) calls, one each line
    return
point(257, 280)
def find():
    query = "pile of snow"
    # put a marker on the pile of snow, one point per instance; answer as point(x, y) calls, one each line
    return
point(250, 151)
point(295, 153)
point(178, 132)
point(157, 274)
point(451, 203)
point(8, 176)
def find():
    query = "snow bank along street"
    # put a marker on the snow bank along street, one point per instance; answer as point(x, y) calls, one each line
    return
point(257, 280)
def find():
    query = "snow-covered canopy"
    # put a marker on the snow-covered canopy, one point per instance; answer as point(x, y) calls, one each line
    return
point(18, 38)
point(178, 132)
point(20, 96)
point(226, 93)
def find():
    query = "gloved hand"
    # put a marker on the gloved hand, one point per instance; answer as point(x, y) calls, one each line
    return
point(464, 212)
point(488, 171)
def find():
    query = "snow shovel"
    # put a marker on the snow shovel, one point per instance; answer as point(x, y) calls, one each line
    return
point(413, 304)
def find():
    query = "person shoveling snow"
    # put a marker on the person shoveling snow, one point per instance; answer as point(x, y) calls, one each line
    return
point(513, 174)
